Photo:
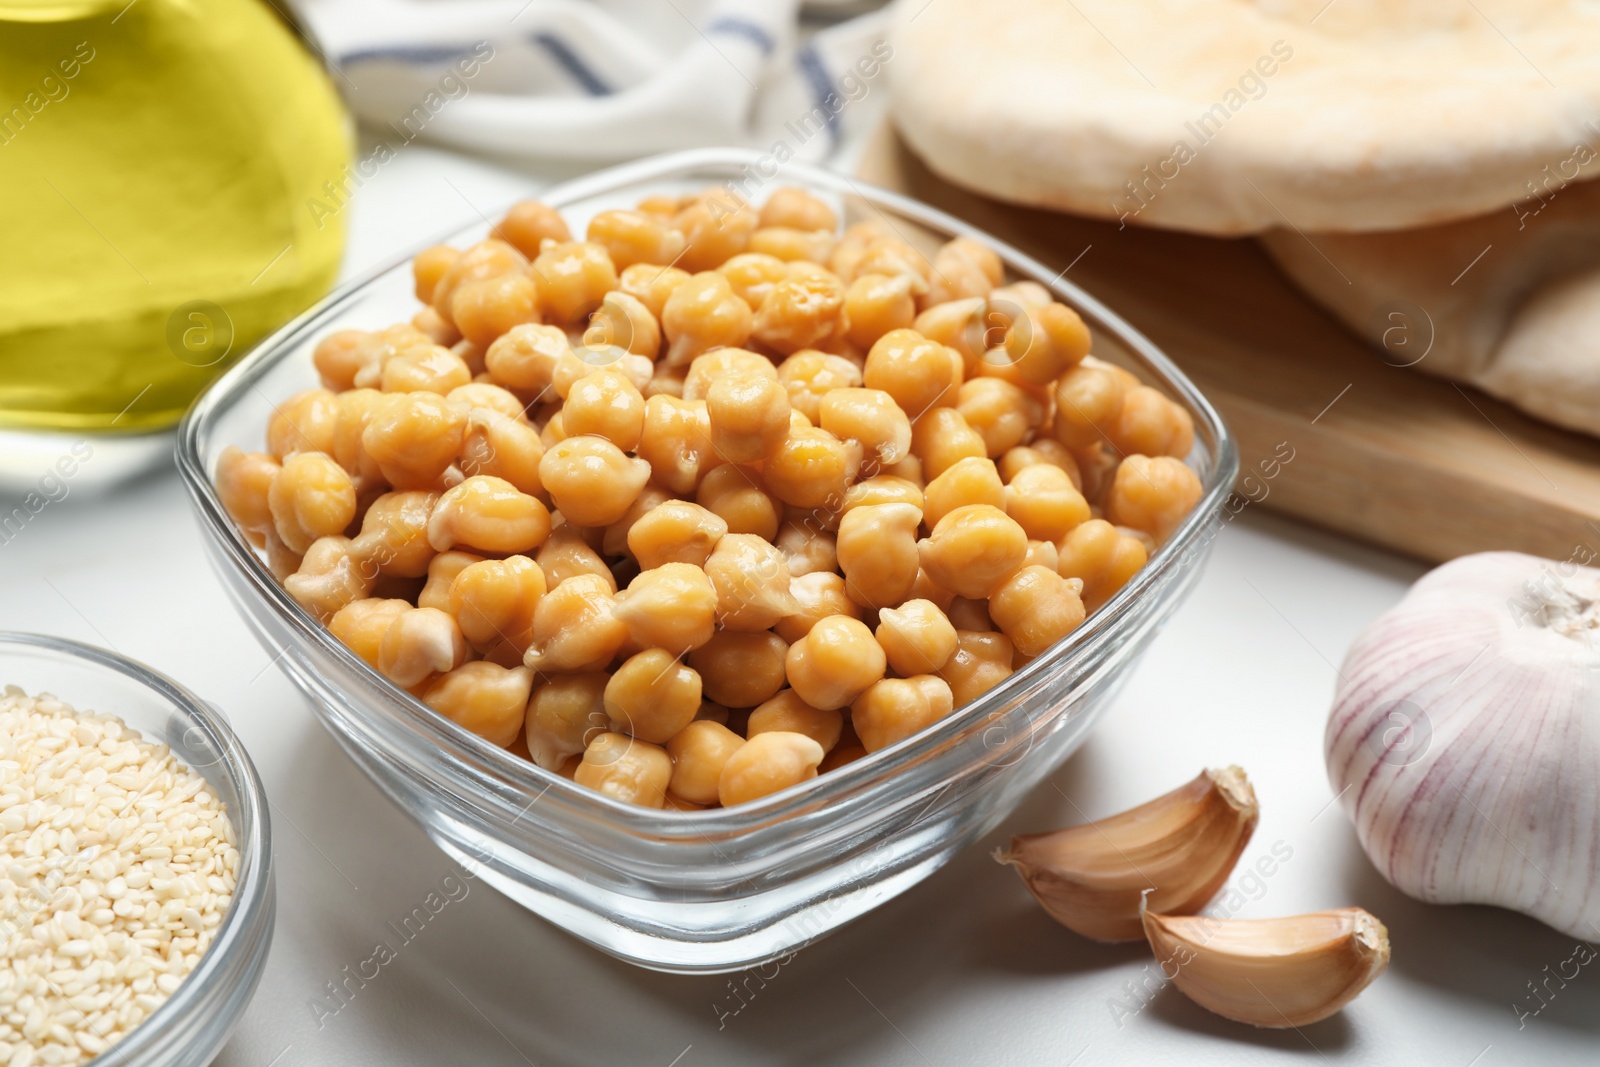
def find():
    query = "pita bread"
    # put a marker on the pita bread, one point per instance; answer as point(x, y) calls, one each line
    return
point(1230, 117)
point(1508, 301)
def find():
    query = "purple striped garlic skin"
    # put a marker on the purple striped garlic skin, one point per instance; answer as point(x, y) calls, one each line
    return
point(1464, 741)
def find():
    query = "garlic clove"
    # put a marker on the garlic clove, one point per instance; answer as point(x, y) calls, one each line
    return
point(1271, 972)
point(1179, 847)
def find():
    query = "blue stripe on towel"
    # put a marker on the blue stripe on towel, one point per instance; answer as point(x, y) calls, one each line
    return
point(569, 61)
point(821, 82)
point(419, 54)
point(750, 31)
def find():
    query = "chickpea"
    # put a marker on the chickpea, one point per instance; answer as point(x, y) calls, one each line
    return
point(835, 662)
point(488, 514)
point(311, 496)
point(340, 356)
point(652, 696)
point(748, 415)
point(968, 327)
point(1045, 503)
point(672, 607)
point(894, 709)
point(1026, 294)
point(675, 442)
point(1102, 558)
point(1097, 467)
point(1089, 401)
point(1042, 554)
point(626, 769)
point(786, 712)
point(807, 549)
point(699, 752)
point(614, 541)
point(413, 437)
point(739, 497)
point(812, 468)
point(631, 237)
point(565, 713)
point(882, 489)
point(916, 637)
point(394, 534)
point(973, 480)
point(328, 578)
point(499, 447)
point(875, 304)
point(437, 329)
point(565, 554)
point(651, 285)
point(574, 277)
point(973, 549)
point(1003, 414)
point(578, 364)
point(870, 417)
point(941, 438)
point(623, 322)
point(483, 310)
point(442, 572)
point(423, 368)
point(752, 583)
point(918, 373)
point(846, 752)
point(717, 227)
point(1043, 450)
point(490, 397)
point(1036, 607)
point(819, 595)
point(525, 357)
point(741, 670)
point(927, 589)
point(361, 624)
point(981, 662)
point(705, 371)
point(1152, 494)
point(488, 699)
point(303, 423)
point(244, 480)
point(428, 266)
point(752, 276)
point(666, 381)
point(676, 532)
point(529, 224)
point(964, 268)
point(574, 627)
point(800, 312)
point(878, 553)
point(1151, 425)
point(704, 313)
point(591, 480)
point(971, 615)
point(809, 375)
point(797, 209)
point(605, 404)
point(1045, 343)
point(419, 644)
point(767, 763)
point(790, 245)
point(486, 259)
point(493, 602)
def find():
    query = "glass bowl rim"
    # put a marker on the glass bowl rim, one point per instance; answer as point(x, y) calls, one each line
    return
point(253, 889)
point(668, 824)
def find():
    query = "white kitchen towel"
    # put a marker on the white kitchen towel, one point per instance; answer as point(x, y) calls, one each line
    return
point(604, 79)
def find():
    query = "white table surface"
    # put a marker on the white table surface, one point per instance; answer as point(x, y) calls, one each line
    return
point(962, 969)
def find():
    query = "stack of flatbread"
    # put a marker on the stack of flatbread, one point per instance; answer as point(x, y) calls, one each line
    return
point(1422, 168)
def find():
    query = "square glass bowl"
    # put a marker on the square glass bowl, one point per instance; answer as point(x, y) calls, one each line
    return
point(721, 889)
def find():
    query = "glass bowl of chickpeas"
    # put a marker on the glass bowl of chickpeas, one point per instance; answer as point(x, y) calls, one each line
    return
point(707, 556)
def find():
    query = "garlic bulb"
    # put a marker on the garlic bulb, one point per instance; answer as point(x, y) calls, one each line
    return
point(1464, 740)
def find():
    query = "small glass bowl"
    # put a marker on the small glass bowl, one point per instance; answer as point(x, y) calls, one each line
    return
point(720, 889)
point(192, 1025)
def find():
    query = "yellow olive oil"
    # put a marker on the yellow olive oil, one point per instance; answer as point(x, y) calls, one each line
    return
point(158, 160)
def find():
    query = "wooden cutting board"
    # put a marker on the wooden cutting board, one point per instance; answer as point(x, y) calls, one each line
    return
point(1389, 455)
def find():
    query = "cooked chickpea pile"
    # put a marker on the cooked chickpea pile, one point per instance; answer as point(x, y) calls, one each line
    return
point(716, 499)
